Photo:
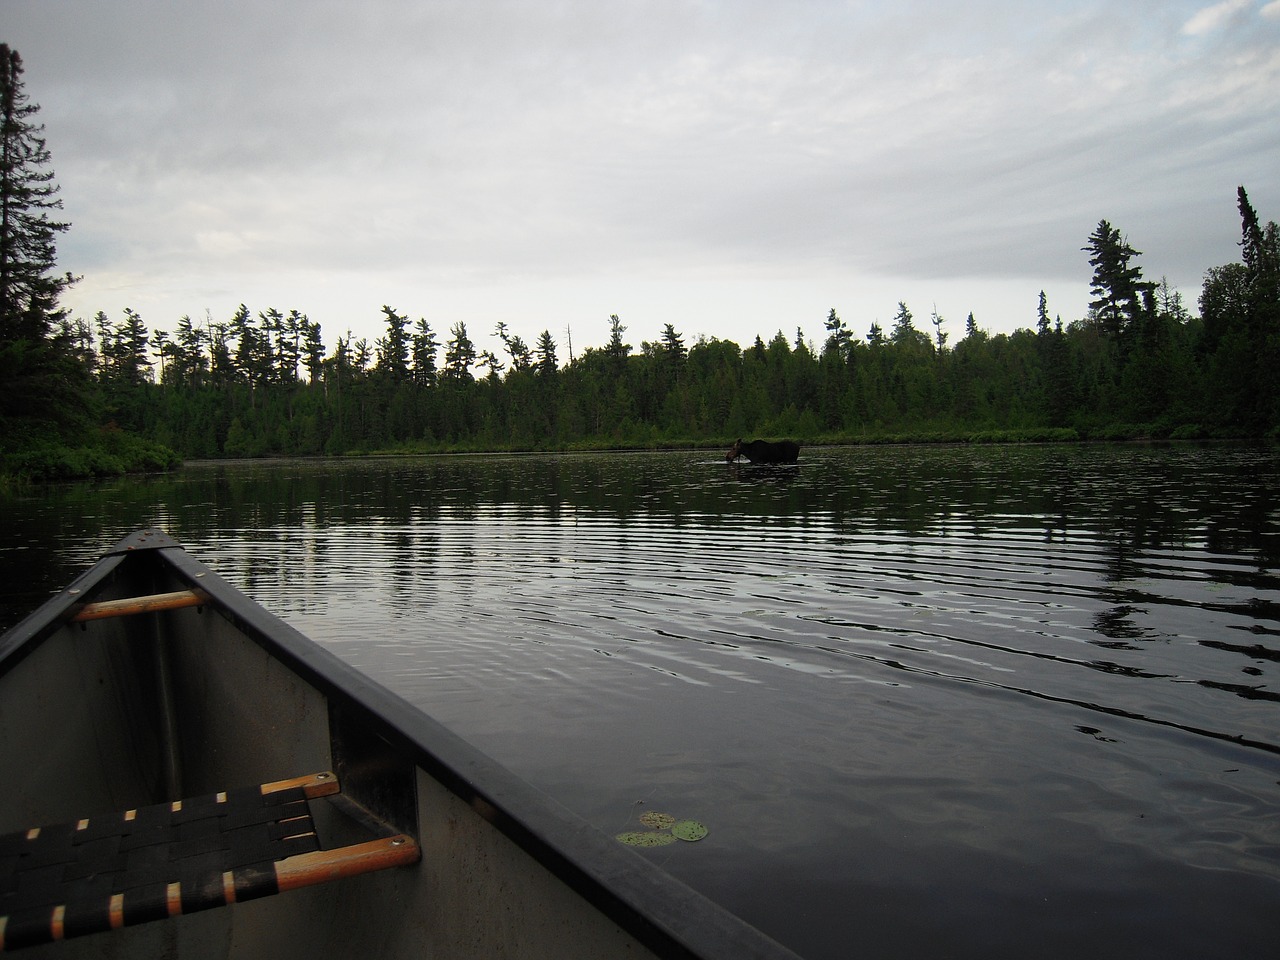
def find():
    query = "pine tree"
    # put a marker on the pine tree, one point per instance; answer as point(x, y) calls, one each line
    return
point(459, 355)
point(291, 345)
point(393, 349)
point(839, 336)
point(673, 346)
point(313, 350)
point(28, 289)
point(190, 365)
point(1117, 284)
point(617, 350)
point(424, 354)
point(133, 366)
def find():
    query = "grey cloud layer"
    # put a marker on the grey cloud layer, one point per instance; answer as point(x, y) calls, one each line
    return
point(480, 138)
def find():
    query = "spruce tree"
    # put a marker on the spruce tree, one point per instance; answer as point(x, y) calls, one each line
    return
point(44, 377)
point(545, 352)
point(1260, 252)
point(29, 290)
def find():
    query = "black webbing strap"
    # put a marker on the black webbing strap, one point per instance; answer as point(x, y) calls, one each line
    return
point(149, 863)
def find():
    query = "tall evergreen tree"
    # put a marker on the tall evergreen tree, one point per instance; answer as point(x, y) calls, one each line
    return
point(519, 352)
point(903, 328)
point(673, 346)
point(1260, 252)
point(28, 250)
point(1117, 284)
point(545, 351)
point(939, 335)
point(241, 327)
point(971, 329)
point(423, 353)
point(190, 365)
point(222, 367)
point(313, 350)
point(617, 349)
point(393, 349)
point(459, 355)
point(1042, 316)
point(43, 376)
point(839, 336)
point(291, 330)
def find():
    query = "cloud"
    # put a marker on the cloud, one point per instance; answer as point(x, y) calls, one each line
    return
point(1215, 17)
point(506, 156)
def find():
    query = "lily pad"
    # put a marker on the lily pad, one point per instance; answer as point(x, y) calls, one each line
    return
point(689, 830)
point(659, 821)
point(646, 838)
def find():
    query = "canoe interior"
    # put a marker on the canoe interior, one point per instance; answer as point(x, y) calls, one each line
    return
point(112, 714)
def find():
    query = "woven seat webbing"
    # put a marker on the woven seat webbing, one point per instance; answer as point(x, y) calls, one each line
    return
point(152, 862)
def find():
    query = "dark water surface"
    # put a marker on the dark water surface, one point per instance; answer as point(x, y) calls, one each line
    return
point(930, 702)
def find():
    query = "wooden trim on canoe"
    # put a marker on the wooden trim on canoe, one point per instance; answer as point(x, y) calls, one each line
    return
point(217, 850)
point(307, 869)
point(323, 784)
point(131, 605)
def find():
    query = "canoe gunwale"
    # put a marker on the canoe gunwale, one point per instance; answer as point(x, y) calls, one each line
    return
point(658, 910)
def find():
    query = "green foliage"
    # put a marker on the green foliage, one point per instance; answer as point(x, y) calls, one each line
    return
point(110, 453)
point(233, 389)
point(1117, 283)
point(50, 403)
point(1055, 385)
point(1139, 367)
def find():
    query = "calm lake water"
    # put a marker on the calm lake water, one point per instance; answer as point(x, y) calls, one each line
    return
point(930, 702)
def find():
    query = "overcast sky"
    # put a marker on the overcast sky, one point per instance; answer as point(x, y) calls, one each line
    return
point(733, 168)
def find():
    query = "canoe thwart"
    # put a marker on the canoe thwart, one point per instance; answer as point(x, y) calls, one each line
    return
point(160, 861)
point(131, 605)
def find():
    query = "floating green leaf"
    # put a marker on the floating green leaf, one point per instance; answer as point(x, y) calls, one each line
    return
point(689, 830)
point(659, 821)
point(646, 838)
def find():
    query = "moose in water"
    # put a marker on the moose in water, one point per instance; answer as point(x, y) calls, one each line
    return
point(765, 451)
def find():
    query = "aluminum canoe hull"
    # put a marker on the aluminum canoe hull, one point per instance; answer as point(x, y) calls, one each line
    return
point(127, 711)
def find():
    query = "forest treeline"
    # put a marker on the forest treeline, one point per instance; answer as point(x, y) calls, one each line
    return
point(82, 397)
point(1140, 364)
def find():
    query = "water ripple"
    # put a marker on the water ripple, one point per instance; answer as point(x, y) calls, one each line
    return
point(942, 692)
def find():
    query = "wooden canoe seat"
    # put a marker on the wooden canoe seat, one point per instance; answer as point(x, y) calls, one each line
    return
point(104, 609)
point(173, 858)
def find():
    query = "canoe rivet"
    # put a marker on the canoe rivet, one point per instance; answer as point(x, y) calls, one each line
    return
point(397, 841)
point(322, 776)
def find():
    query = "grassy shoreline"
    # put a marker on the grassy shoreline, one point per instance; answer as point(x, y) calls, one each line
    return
point(114, 453)
point(110, 453)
